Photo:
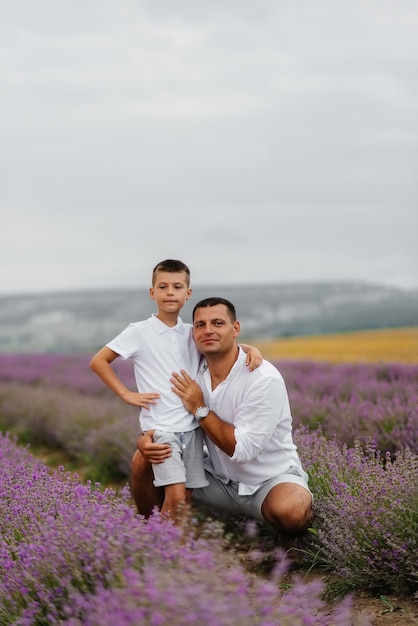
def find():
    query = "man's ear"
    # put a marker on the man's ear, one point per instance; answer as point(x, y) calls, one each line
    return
point(237, 328)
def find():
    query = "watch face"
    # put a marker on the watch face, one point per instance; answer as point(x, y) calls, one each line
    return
point(202, 412)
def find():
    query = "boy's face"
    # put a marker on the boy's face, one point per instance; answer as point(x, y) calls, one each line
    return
point(170, 291)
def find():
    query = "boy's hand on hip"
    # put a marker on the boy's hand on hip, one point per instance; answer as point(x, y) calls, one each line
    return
point(143, 400)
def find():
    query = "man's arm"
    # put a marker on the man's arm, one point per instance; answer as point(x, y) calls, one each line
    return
point(221, 433)
point(266, 405)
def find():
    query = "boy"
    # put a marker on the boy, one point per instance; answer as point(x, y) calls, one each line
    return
point(158, 346)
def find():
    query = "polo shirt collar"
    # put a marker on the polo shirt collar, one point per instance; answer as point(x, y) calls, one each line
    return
point(161, 328)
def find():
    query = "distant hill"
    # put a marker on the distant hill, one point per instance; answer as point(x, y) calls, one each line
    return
point(85, 320)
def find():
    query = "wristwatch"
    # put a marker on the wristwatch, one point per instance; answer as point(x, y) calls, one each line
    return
point(201, 413)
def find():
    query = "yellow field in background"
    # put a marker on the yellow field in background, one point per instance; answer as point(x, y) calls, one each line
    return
point(398, 345)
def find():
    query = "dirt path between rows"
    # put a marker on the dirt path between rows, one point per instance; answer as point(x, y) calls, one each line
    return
point(390, 611)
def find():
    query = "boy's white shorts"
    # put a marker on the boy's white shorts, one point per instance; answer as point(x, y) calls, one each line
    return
point(185, 464)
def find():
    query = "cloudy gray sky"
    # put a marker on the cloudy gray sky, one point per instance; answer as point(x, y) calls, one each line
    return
point(260, 142)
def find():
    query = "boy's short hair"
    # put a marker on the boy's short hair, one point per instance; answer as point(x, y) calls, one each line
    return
point(171, 265)
point(207, 302)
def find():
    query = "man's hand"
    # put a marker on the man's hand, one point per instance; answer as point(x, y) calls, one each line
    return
point(188, 390)
point(152, 452)
point(221, 433)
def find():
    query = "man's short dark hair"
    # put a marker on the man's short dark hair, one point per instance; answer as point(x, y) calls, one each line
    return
point(171, 265)
point(207, 302)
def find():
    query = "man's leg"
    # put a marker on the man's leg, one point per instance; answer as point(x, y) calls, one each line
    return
point(288, 507)
point(144, 493)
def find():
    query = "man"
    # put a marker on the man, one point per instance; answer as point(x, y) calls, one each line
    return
point(253, 467)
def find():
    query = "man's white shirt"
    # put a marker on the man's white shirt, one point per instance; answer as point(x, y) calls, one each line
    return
point(257, 404)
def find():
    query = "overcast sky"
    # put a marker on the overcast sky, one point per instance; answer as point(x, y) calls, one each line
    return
point(258, 141)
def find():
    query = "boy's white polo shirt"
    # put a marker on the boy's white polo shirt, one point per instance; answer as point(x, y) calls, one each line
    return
point(157, 351)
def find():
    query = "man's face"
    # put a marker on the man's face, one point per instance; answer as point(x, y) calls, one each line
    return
point(213, 330)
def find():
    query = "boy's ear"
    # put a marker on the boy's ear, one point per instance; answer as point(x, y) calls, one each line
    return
point(151, 293)
point(189, 293)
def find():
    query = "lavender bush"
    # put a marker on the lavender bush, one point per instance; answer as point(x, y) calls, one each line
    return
point(99, 431)
point(70, 371)
point(366, 513)
point(356, 400)
point(72, 554)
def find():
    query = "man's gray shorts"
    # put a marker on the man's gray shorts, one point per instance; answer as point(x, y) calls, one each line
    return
point(225, 498)
point(185, 464)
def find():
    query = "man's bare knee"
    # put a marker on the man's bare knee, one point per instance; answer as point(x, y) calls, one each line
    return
point(296, 522)
point(288, 508)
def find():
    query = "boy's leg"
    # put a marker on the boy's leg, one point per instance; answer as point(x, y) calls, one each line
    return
point(146, 496)
point(175, 506)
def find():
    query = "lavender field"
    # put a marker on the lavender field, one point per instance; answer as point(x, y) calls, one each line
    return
point(57, 399)
point(356, 427)
point(72, 554)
